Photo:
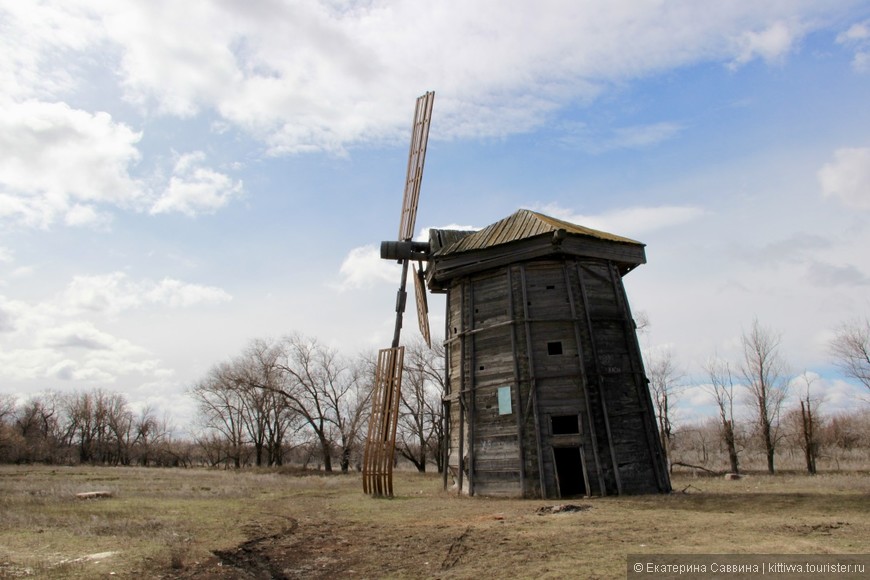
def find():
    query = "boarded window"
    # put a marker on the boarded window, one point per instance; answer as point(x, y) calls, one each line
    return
point(504, 401)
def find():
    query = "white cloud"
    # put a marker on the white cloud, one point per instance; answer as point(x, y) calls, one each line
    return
point(60, 338)
point(74, 351)
point(81, 215)
point(179, 294)
point(858, 37)
point(114, 292)
point(363, 268)
point(315, 76)
point(179, 56)
point(108, 293)
point(36, 37)
point(631, 221)
point(858, 32)
point(771, 44)
point(847, 177)
point(7, 319)
point(77, 335)
point(194, 189)
point(58, 161)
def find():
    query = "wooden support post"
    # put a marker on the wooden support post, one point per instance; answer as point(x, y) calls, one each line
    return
point(468, 292)
point(593, 436)
point(533, 399)
point(518, 400)
point(599, 381)
point(461, 401)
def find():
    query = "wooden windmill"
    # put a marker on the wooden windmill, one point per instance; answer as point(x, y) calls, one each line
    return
point(546, 394)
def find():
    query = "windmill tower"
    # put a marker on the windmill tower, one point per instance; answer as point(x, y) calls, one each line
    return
point(546, 393)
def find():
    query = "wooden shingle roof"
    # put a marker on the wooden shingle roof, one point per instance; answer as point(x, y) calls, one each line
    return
point(526, 235)
point(522, 236)
point(521, 225)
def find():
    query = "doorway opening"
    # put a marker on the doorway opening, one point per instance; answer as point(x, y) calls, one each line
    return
point(569, 471)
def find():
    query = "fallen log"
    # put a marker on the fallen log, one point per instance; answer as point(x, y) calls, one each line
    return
point(93, 494)
point(711, 471)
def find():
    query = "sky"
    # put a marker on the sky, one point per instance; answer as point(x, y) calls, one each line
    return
point(180, 178)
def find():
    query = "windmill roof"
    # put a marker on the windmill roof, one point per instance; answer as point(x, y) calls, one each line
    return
point(522, 225)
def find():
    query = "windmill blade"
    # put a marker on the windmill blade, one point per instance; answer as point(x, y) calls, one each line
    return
point(416, 160)
point(380, 448)
point(422, 304)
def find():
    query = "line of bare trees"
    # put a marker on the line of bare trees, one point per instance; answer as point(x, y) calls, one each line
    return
point(95, 427)
point(761, 386)
point(298, 400)
point(293, 400)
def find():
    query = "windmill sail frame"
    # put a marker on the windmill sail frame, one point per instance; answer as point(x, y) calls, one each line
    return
point(380, 446)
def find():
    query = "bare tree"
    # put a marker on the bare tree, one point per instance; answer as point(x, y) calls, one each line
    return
point(8, 439)
point(222, 412)
point(664, 381)
point(325, 390)
point(7, 408)
point(149, 434)
point(353, 410)
point(851, 350)
point(641, 321)
point(268, 418)
point(433, 365)
point(120, 423)
point(765, 374)
point(420, 427)
point(98, 423)
point(809, 422)
point(38, 426)
point(722, 388)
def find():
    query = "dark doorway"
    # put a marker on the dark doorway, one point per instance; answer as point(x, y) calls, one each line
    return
point(569, 471)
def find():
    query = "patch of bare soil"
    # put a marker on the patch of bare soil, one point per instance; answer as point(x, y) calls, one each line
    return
point(280, 549)
point(331, 546)
point(335, 532)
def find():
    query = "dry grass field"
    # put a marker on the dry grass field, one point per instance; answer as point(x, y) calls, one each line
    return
point(162, 523)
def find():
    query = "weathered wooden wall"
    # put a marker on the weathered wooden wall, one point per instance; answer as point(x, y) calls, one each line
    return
point(559, 333)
